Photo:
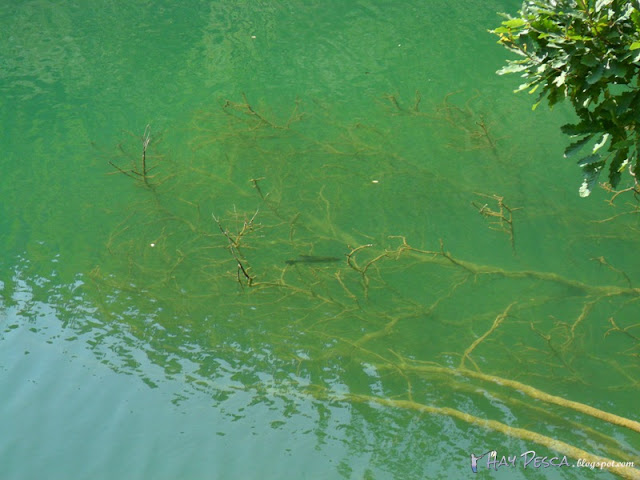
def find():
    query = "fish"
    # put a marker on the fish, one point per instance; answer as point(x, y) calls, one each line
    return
point(311, 259)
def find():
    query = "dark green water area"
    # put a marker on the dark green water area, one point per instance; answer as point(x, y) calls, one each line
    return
point(312, 240)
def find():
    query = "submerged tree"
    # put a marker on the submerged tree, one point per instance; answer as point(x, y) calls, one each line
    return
point(587, 51)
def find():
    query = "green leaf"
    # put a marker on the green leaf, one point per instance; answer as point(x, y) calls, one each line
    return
point(600, 4)
point(596, 74)
point(623, 101)
point(512, 68)
point(589, 60)
point(580, 38)
point(592, 159)
point(522, 87)
point(514, 23)
point(559, 62)
point(614, 178)
point(576, 146)
point(622, 144)
point(591, 174)
point(581, 128)
point(618, 69)
point(559, 80)
point(601, 143)
point(618, 164)
point(634, 46)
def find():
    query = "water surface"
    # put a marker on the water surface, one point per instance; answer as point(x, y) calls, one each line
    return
point(155, 321)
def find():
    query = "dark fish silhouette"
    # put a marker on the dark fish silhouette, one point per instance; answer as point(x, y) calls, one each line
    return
point(312, 259)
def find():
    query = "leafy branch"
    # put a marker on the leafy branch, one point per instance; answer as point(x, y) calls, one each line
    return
point(589, 53)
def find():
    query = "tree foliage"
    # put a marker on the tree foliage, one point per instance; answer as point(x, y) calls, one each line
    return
point(587, 51)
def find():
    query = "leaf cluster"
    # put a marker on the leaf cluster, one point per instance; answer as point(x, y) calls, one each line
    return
point(587, 51)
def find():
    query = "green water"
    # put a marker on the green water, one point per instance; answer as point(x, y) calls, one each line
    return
point(154, 326)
